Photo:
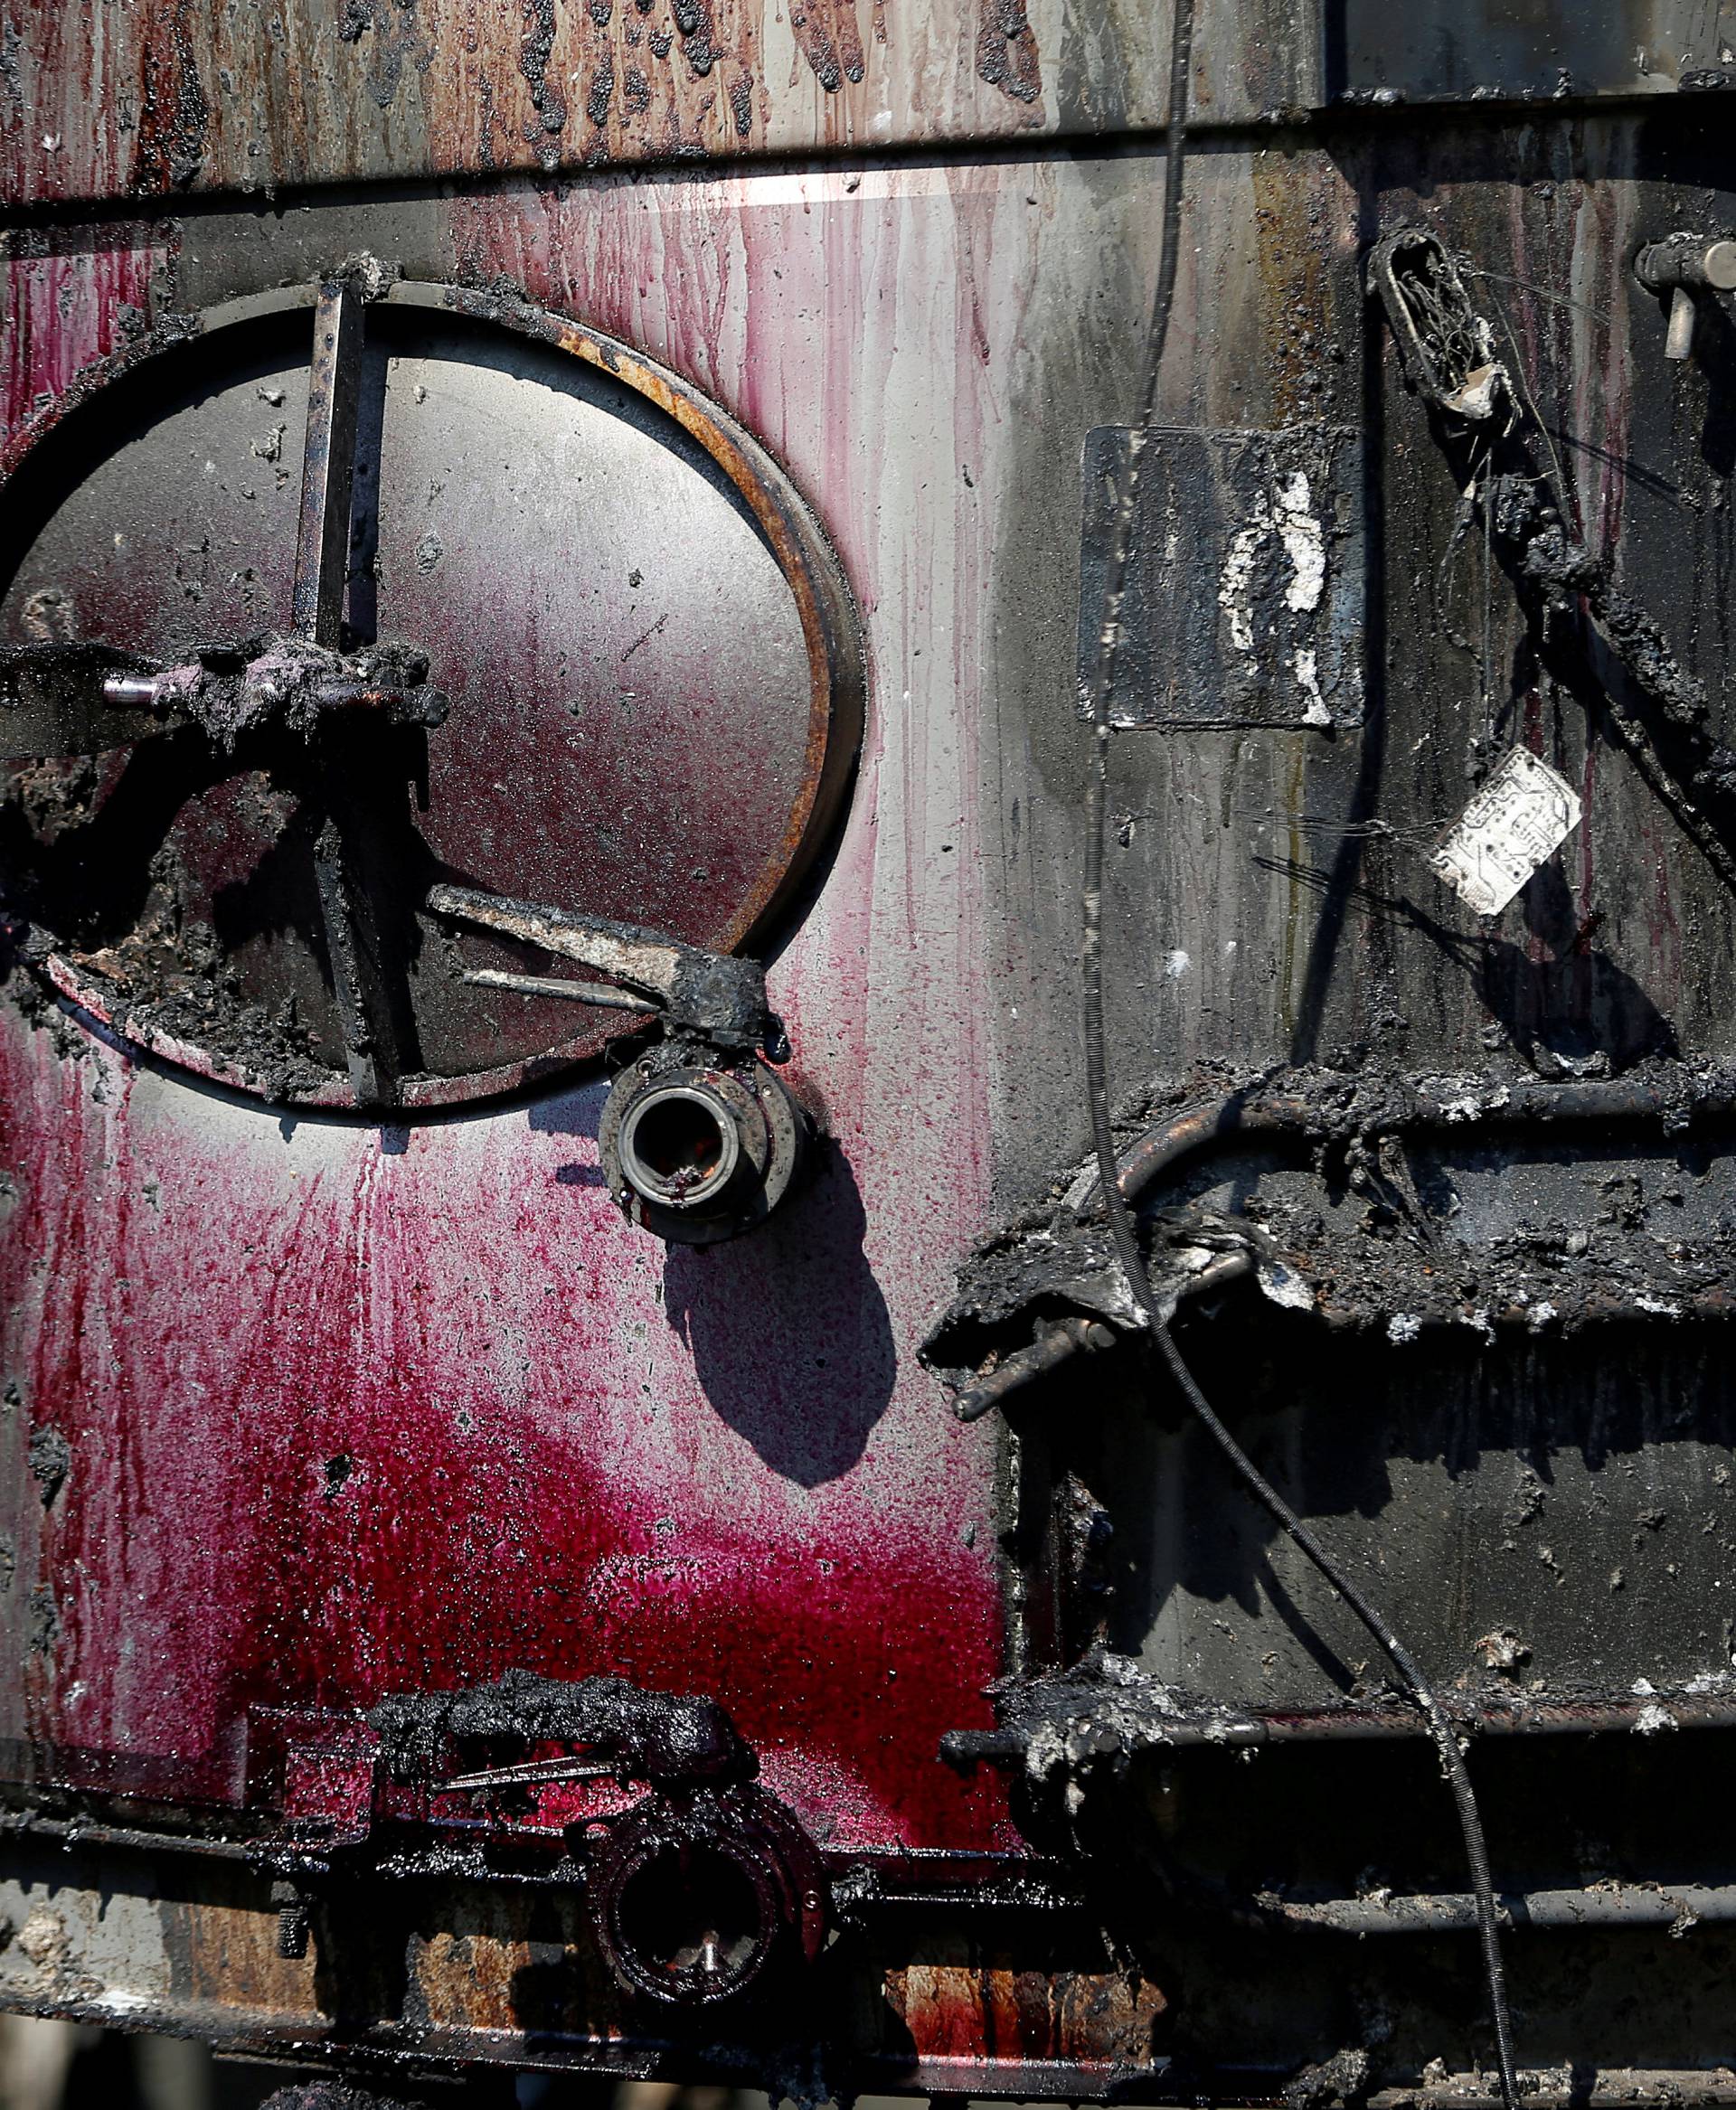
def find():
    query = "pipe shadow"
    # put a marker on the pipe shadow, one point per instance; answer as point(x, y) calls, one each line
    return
point(790, 1331)
point(1562, 1012)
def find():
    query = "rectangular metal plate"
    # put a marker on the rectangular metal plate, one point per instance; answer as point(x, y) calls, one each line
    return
point(1515, 824)
point(1483, 50)
point(1245, 588)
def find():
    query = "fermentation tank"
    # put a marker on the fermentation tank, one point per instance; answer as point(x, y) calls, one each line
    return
point(668, 670)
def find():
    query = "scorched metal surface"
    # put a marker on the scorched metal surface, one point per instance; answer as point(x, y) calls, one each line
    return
point(414, 1568)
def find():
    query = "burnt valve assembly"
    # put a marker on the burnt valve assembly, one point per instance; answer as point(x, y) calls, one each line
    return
point(704, 1886)
point(700, 1139)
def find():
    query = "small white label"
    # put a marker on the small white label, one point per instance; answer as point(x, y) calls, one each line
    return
point(1520, 817)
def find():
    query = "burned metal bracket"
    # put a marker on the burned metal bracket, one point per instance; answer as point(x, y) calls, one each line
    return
point(703, 1885)
point(670, 1739)
point(1058, 1285)
point(715, 997)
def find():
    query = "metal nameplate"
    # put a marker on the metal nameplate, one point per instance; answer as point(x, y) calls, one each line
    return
point(1245, 593)
point(1511, 828)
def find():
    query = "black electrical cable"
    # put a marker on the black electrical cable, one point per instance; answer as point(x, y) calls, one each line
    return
point(1120, 1217)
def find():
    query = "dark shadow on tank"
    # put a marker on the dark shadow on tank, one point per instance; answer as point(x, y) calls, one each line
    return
point(1576, 1004)
point(1580, 1462)
point(1328, 938)
point(790, 1332)
point(1562, 1013)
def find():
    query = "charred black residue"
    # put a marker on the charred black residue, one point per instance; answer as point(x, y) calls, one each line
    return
point(232, 691)
point(42, 1621)
point(108, 898)
point(168, 974)
point(397, 39)
point(1371, 1232)
point(11, 79)
point(491, 119)
point(1006, 51)
point(1098, 1713)
point(551, 104)
point(601, 93)
point(829, 40)
point(698, 34)
point(174, 113)
point(661, 1736)
point(50, 1460)
point(1038, 1269)
point(324, 2095)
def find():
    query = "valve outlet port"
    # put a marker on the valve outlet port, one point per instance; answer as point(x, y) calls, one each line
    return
point(697, 1152)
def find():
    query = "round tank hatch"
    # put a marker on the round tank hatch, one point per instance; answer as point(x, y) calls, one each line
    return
point(577, 640)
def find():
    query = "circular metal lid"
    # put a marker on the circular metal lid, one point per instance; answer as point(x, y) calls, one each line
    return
point(650, 656)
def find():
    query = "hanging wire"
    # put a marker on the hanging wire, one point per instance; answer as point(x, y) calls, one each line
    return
point(1120, 1217)
point(1548, 293)
point(1488, 600)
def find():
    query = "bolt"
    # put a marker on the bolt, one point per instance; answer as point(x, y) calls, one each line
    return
point(129, 692)
point(292, 1921)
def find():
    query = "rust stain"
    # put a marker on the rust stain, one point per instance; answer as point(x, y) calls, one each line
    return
point(467, 1980)
point(172, 97)
point(997, 2011)
point(173, 110)
point(229, 1956)
point(644, 85)
point(1295, 310)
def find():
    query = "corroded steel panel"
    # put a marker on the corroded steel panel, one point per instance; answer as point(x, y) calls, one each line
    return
point(107, 98)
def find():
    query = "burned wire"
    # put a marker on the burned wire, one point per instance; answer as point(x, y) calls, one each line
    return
point(1120, 1215)
point(1657, 711)
point(1547, 293)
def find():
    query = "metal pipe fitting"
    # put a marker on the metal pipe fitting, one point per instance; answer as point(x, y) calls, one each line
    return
point(692, 1898)
point(1683, 266)
point(681, 1142)
point(697, 1152)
